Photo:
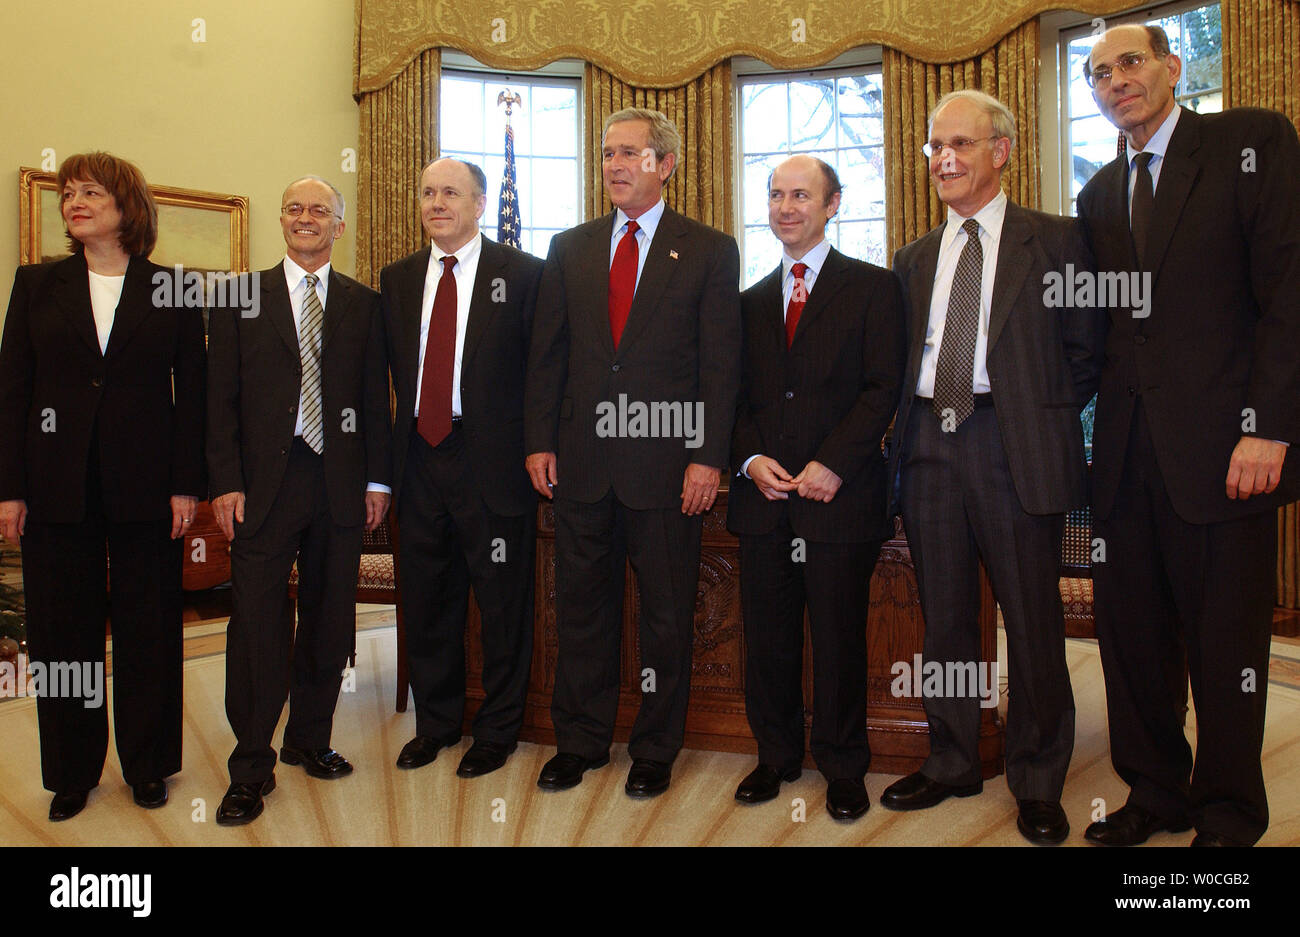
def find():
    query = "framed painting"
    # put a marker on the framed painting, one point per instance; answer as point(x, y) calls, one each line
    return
point(202, 231)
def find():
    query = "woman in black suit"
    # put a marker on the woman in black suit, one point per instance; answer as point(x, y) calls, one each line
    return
point(101, 465)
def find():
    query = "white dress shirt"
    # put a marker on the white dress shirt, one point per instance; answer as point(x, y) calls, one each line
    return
point(466, 268)
point(647, 224)
point(105, 294)
point(295, 279)
point(990, 219)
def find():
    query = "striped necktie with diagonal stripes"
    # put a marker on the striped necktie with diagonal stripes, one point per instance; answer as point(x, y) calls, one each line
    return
point(309, 339)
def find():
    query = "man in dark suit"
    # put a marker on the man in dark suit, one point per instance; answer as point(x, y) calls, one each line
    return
point(1199, 399)
point(458, 316)
point(298, 452)
point(821, 367)
point(990, 449)
point(638, 313)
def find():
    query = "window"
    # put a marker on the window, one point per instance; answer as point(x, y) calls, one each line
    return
point(835, 115)
point(1090, 139)
point(471, 126)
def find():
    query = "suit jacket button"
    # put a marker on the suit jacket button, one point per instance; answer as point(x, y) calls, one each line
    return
point(293, 407)
point(1139, 339)
point(789, 395)
point(284, 451)
point(96, 382)
point(1132, 391)
point(616, 367)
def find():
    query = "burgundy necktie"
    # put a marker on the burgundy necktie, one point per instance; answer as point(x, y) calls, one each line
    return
point(434, 422)
point(798, 296)
point(622, 281)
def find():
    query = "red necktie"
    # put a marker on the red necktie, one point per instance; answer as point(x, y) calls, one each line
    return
point(798, 296)
point(434, 422)
point(622, 281)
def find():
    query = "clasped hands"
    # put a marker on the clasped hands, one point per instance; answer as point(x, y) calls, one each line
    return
point(815, 483)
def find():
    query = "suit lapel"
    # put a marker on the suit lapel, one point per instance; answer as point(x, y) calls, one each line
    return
point(660, 267)
point(771, 306)
point(275, 300)
point(134, 307)
point(72, 293)
point(338, 303)
point(491, 264)
point(1176, 177)
point(410, 284)
point(1011, 269)
point(824, 288)
point(920, 287)
point(593, 269)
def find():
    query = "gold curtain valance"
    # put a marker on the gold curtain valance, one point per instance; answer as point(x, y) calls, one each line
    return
point(666, 43)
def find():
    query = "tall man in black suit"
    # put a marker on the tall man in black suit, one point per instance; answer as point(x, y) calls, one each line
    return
point(638, 309)
point(298, 452)
point(822, 363)
point(1199, 399)
point(991, 454)
point(458, 317)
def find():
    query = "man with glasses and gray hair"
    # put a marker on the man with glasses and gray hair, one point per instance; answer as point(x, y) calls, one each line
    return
point(1199, 400)
point(989, 451)
point(298, 455)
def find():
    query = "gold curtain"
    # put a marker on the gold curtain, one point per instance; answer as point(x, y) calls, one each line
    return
point(397, 138)
point(1261, 68)
point(703, 185)
point(1009, 72)
point(1261, 55)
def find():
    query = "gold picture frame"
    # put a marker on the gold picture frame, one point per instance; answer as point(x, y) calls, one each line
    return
point(202, 231)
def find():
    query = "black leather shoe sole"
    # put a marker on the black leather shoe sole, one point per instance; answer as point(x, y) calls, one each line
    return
point(67, 805)
point(567, 781)
point(239, 819)
point(150, 795)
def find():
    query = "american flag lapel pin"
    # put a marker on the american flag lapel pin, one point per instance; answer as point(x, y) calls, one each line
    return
point(672, 254)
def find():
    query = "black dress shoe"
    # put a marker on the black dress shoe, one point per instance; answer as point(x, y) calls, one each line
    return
point(1214, 839)
point(1130, 826)
point(565, 771)
point(319, 762)
point(423, 749)
point(916, 792)
point(764, 783)
point(243, 802)
point(149, 794)
point(67, 805)
point(647, 778)
point(846, 798)
point(483, 758)
point(1042, 822)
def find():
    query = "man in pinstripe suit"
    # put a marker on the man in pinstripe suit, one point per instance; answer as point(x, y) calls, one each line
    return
point(990, 456)
point(298, 455)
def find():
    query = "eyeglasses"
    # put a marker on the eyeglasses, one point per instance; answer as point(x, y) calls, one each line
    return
point(1126, 64)
point(316, 211)
point(959, 145)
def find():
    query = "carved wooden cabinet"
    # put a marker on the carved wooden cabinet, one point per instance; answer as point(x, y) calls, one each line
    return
point(716, 720)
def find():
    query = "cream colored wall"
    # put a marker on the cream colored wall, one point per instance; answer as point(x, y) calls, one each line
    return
point(267, 98)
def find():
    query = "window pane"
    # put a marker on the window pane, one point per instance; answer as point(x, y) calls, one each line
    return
point(764, 117)
point(555, 116)
point(1203, 50)
point(757, 169)
point(495, 118)
point(861, 111)
point(812, 115)
point(460, 119)
point(538, 241)
point(555, 192)
point(864, 240)
point(762, 254)
point(862, 173)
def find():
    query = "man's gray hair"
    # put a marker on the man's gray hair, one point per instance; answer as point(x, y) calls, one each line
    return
point(664, 138)
point(1004, 122)
point(338, 196)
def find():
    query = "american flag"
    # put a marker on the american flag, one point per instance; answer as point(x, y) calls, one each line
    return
point(509, 223)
